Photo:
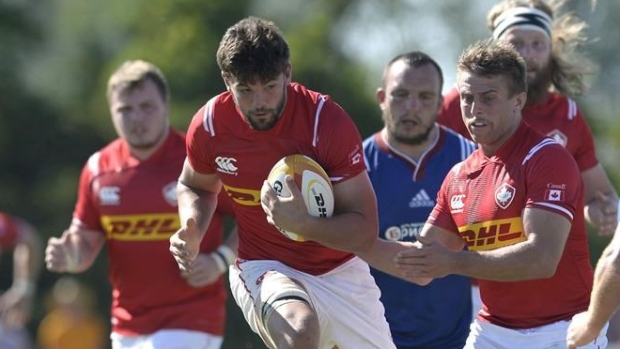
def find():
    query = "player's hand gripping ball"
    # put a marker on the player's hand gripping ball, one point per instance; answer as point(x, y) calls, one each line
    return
point(312, 181)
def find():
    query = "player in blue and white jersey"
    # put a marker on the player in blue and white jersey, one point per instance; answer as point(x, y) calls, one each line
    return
point(407, 161)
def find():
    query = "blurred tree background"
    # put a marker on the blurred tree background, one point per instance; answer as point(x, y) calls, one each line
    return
point(56, 56)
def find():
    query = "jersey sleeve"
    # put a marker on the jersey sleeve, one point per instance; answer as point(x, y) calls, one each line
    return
point(8, 232)
point(440, 216)
point(339, 143)
point(585, 156)
point(554, 181)
point(450, 113)
point(197, 140)
point(86, 213)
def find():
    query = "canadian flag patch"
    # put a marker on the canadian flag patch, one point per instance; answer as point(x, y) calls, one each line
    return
point(554, 195)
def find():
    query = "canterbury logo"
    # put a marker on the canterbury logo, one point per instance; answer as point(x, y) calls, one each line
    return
point(226, 165)
point(110, 196)
point(456, 203)
point(151, 227)
point(493, 234)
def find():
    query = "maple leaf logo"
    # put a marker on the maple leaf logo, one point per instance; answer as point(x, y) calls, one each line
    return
point(555, 195)
point(504, 195)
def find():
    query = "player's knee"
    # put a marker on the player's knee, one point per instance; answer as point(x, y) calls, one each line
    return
point(295, 325)
point(297, 340)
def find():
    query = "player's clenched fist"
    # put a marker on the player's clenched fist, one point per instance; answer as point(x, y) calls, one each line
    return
point(60, 256)
point(184, 245)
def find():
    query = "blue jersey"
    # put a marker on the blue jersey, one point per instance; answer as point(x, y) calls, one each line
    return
point(437, 315)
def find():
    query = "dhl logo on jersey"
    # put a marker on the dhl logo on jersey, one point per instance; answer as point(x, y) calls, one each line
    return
point(493, 234)
point(145, 227)
point(242, 196)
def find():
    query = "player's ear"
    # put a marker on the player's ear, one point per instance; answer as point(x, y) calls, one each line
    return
point(226, 79)
point(520, 100)
point(288, 73)
point(439, 102)
point(380, 95)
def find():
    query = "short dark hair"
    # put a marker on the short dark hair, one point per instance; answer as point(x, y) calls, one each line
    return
point(491, 58)
point(415, 59)
point(251, 49)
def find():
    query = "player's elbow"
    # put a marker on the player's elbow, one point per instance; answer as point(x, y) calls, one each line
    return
point(544, 273)
point(543, 270)
point(365, 243)
point(420, 281)
point(611, 257)
point(363, 246)
point(614, 260)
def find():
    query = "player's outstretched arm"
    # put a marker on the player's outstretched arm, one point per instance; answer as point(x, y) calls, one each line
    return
point(208, 267)
point(26, 256)
point(604, 300)
point(601, 200)
point(383, 257)
point(197, 200)
point(435, 254)
point(74, 251)
point(537, 257)
point(16, 303)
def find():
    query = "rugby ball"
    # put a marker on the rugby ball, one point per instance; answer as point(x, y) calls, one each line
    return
point(312, 181)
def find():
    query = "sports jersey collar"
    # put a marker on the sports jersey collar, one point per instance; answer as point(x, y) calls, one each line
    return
point(419, 166)
point(381, 139)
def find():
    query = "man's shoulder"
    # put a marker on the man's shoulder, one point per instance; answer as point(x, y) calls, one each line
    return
point(110, 150)
point(103, 159)
point(556, 106)
point(546, 149)
point(213, 114)
point(371, 141)
point(313, 100)
point(372, 150)
point(217, 105)
point(534, 140)
point(554, 98)
point(304, 92)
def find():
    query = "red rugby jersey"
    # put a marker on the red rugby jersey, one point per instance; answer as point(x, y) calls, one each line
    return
point(220, 141)
point(134, 204)
point(482, 200)
point(9, 232)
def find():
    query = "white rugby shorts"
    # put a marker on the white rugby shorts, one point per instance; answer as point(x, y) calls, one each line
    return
point(345, 299)
point(484, 335)
point(168, 339)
